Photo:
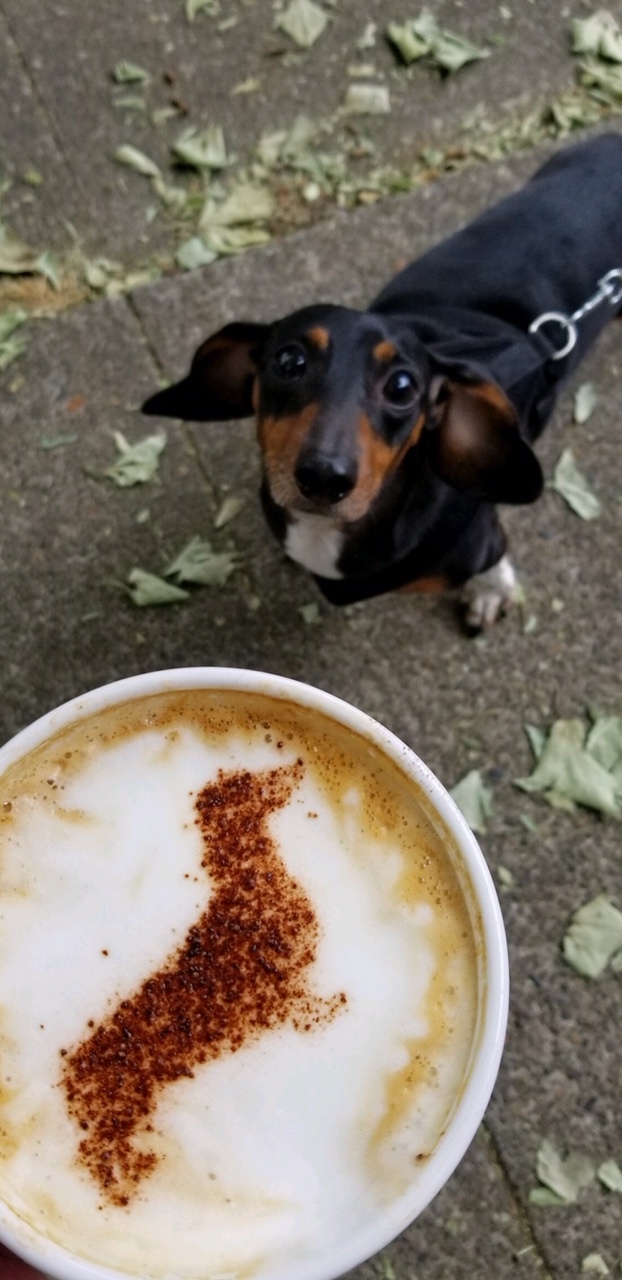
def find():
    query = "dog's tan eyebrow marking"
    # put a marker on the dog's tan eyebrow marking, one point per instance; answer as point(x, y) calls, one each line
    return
point(319, 337)
point(384, 351)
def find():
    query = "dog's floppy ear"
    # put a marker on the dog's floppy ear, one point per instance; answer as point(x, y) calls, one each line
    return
point(475, 442)
point(220, 383)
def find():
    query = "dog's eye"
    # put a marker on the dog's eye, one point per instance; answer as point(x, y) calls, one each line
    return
point(400, 389)
point(290, 361)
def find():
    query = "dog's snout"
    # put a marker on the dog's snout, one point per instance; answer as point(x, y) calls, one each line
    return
point(323, 478)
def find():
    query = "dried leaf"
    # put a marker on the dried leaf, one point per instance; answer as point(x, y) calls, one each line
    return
point(571, 484)
point(593, 937)
point(201, 148)
point(566, 770)
point(146, 589)
point(199, 563)
point(610, 1174)
point(303, 21)
point(366, 100)
point(56, 442)
point(129, 73)
point(194, 253)
point(474, 799)
point(137, 462)
point(228, 511)
point(46, 266)
point(506, 879)
point(565, 1178)
point(585, 401)
point(137, 160)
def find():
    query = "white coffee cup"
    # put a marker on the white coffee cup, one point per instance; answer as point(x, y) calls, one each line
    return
point(22, 1231)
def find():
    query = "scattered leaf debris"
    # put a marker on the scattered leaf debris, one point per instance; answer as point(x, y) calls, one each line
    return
point(593, 937)
point(201, 148)
point(137, 463)
point(129, 73)
point(562, 1179)
point(572, 486)
point(422, 37)
point(568, 770)
point(474, 800)
point(366, 100)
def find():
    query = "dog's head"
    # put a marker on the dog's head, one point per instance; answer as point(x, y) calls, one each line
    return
point(340, 396)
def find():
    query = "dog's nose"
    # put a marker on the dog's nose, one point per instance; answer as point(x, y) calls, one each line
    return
point(324, 478)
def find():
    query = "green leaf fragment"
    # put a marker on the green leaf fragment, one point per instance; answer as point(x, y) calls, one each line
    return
point(565, 1177)
point(310, 613)
point(420, 37)
point(201, 148)
point(16, 257)
point(138, 462)
point(585, 401)
point(366, 100)
point(228, 511)
point(545, 1198)
point(148, 589)
point(572, 486)
point(199, 563)
point(474, 799)
point(246, 203)
point(565, 771)
point(593, 937)
point(594, 1264)
point(604, 743)
point(598, 35)
point(194, 253)
point(129, 73)
point(57, 442)
point(11, 344)
point(194, 7)
point(137, 160)
point(610, 1174)
point(303, 21)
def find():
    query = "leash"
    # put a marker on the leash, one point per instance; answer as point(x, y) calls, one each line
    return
point(609, 290)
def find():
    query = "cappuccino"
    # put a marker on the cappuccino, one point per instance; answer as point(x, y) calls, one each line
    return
point(240, 984)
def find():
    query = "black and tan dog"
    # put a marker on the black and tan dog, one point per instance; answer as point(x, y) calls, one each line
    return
point(388, 435)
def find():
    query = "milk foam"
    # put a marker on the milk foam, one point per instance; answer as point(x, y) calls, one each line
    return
point(281, 1149)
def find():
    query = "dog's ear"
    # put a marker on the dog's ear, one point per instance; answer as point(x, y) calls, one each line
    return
point(220, 383)
point(475, 442)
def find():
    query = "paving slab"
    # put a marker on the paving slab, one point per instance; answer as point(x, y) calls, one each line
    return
point(199, 66)
point(69, 540)
point(27, 142)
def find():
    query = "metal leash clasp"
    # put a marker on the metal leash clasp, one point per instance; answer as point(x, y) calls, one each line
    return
point(609, 290)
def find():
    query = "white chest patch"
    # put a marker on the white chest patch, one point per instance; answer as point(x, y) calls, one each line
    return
point(315, 542)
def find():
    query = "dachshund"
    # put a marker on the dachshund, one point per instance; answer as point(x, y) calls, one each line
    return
point(388, 436)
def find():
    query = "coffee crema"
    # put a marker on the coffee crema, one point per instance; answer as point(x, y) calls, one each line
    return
point(239, 984)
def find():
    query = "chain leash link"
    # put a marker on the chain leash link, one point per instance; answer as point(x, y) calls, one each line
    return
point(609, 289)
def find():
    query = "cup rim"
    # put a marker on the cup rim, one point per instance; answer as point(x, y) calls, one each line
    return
point(57, 1261)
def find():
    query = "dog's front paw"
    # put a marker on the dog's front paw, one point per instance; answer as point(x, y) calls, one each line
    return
point(487, 595)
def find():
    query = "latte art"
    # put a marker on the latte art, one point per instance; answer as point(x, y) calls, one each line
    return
point(240, 985)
